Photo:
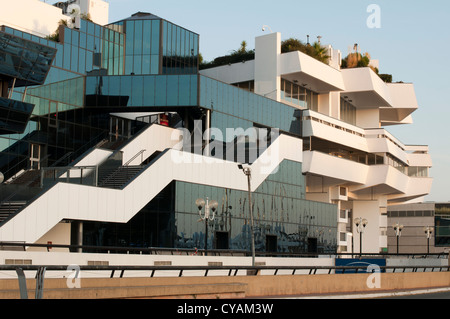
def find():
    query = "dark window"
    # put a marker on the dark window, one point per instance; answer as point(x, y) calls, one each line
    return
point(271, 243)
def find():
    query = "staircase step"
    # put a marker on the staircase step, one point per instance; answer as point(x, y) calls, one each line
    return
point(9, 208)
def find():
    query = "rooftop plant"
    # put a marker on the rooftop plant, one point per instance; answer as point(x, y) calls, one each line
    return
point(240, 55)
point(316, 51)
point(357, 60)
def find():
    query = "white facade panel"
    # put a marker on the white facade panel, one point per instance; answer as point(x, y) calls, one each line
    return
point(32, 16)
point(319, 76)
point(72, 200)
point(334, 167)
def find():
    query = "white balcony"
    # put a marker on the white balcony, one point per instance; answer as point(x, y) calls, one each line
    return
point(334, 167)
point(417, 187)
point(404, 103)
point(333, 130)
point(385, 179)
point(381, 141)
point(365, 88)
point(319, 77)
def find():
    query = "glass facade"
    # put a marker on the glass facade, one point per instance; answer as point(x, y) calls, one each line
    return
point(142, 46)
point(442, 225)
point(141, 91)
point(14, 115)
point(180, 50)
point(146, 64)
point(284, 221)
point(233, 107)
point(299, 95)
point(25, 60)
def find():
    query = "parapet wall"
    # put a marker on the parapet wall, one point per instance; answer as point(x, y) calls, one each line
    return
point(228, 287)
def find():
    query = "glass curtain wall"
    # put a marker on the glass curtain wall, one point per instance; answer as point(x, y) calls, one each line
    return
point(299, 95)
point(180, 50)
point(283, 220)
point(237, 108)
point(60, 124)
point(142, 46)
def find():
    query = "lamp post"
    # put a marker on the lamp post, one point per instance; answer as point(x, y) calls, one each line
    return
point(398, 232)
point(428, 231)
point(209, 206)
point(361, 225)
point(248, 172)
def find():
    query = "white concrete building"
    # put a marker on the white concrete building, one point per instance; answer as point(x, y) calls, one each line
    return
point(349, 158)
point(337, 161)
point(42, 19)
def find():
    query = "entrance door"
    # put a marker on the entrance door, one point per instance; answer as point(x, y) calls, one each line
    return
point(312, 245)
point(271, 243)
point(222, 240)
point(119, 129)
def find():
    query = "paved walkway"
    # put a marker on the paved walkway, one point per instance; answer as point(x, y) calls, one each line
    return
point(385, 294)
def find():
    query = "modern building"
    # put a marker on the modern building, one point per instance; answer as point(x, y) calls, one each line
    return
point(349, 157)
point(425, 227)
point(120, 134)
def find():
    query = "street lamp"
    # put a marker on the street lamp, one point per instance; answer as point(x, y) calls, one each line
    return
point(248, 172)
point(361, 225)
point(398, 232)
point(209, 206)
point(428, 230)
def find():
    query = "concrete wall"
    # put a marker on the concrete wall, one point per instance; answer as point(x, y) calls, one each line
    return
point(32, 16)
point(227, 287)
point(267, 61)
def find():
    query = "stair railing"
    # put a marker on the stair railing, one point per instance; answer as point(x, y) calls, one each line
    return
point(141, 152)
point(116, 172)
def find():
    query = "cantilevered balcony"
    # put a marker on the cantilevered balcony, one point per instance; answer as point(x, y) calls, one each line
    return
point(404, 103)
point(317, 76)
point(365, 89)
point(333, 130)
point(339, 169)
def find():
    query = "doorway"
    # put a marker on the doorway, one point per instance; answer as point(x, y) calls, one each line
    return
point(312, 245)
point(271, 243)
point(221, 240)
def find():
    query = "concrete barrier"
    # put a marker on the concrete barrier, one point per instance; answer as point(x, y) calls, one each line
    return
point(220, 287)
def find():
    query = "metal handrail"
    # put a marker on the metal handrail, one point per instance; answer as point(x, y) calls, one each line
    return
point(66, 170)
point(232, 270)
point(134, 157)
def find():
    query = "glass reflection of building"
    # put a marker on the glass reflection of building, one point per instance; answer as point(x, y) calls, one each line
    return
point(144, 64)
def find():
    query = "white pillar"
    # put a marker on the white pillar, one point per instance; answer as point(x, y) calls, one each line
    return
point(267, 62)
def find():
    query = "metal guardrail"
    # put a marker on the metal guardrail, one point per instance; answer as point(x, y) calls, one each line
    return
point(232, 271)
point(180, 271)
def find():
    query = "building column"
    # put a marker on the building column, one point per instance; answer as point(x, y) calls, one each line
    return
point(267, 74)
point(369, 210)
point(80, 236)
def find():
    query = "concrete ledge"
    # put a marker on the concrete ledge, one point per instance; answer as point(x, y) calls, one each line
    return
point(216, 287)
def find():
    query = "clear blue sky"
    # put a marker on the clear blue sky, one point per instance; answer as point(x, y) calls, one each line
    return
point(413, 44)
